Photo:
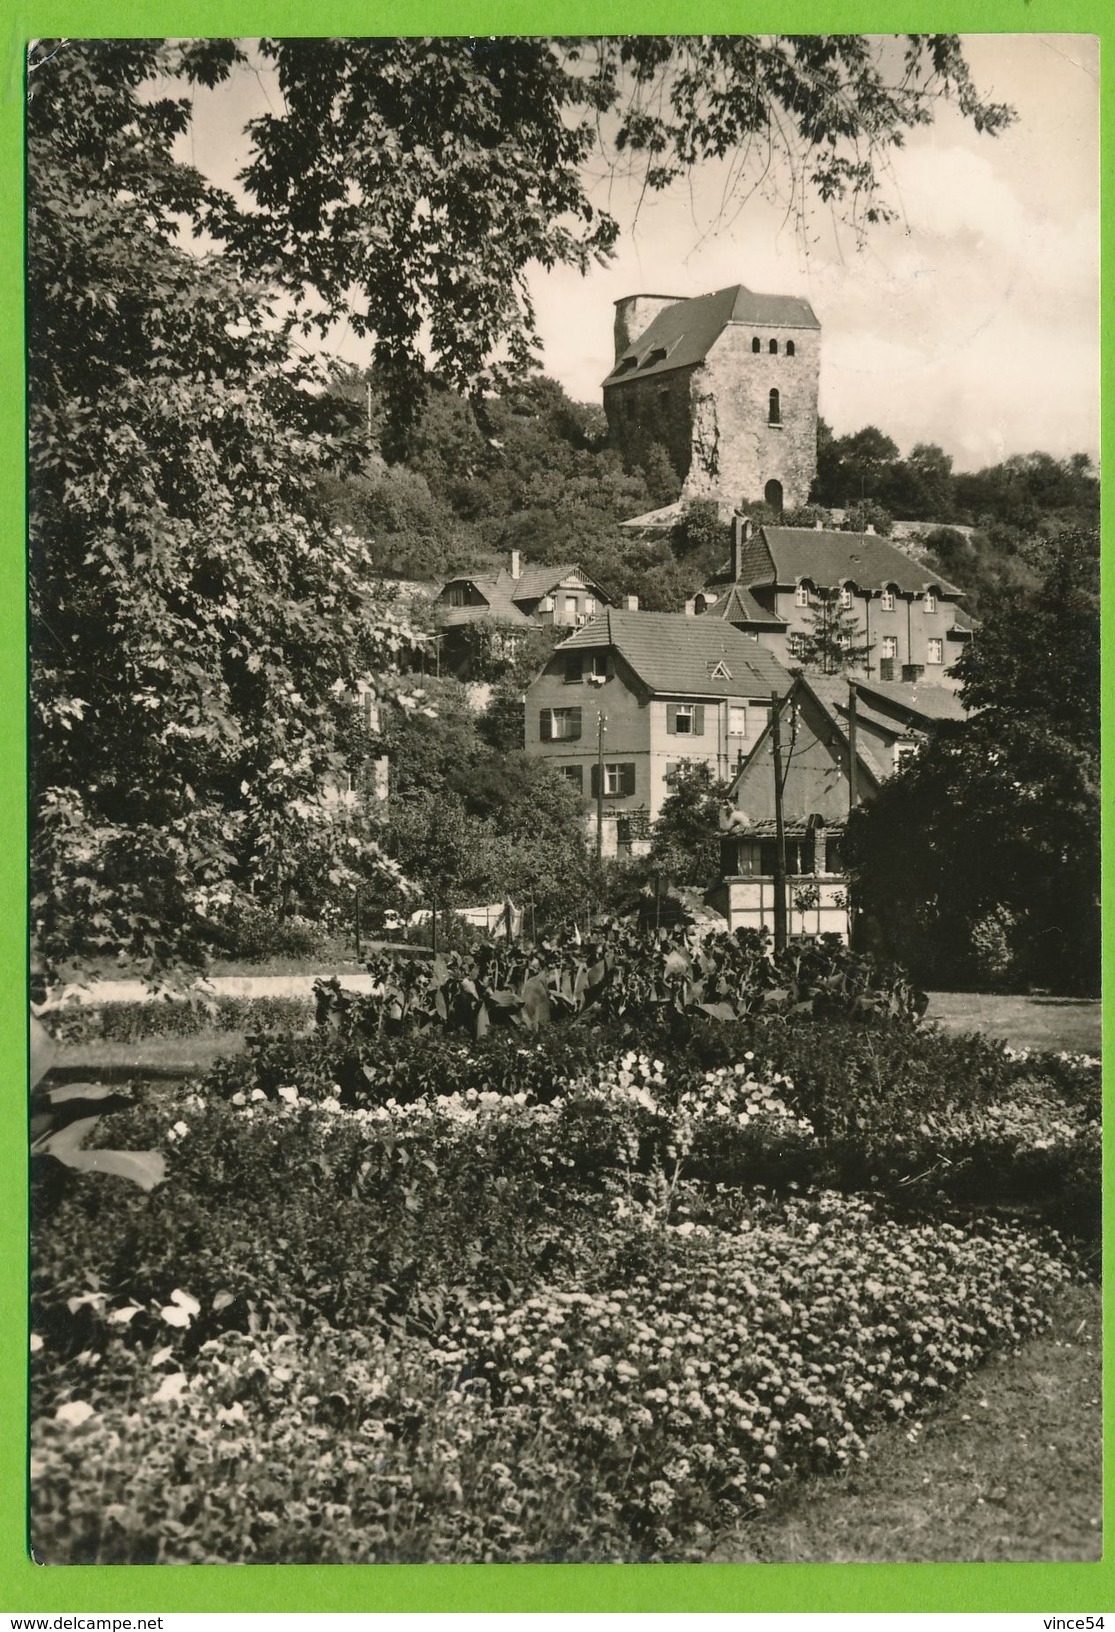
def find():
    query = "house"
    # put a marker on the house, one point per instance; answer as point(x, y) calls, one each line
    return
point(510, 602)
point(780, 582)
point(821, 719)
point(727, 383)
point(632, 695)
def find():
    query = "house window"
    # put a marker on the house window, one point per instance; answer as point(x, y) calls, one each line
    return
point(886, 600)
point(559, 724)
point(574, 774)
point(457, 595)
point(799, 856)
point(801, 595)
point(930, 601)
point(570, 613)
point(590, 606)
point(672, 771)
point(797, 645)
point(756, 344)
point(596, 665)
point(737, 719)
point(903, 750)
point(789, 348)
point(890, 645)
point(774, 348)
point(935, 651)
point(774, 415)
point(572, 668)
point(846, 599)
point(619, 781)
point(685, 719)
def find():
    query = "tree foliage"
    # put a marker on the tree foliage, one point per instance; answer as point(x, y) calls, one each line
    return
point(980, 860)
point(409, 184)
point(685, 843)
point(193, 619)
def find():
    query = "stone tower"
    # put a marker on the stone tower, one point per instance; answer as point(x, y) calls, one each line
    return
point(727, 384)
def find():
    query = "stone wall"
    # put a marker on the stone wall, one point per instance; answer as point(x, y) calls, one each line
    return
point(714, 419)
point(736, 448)
point(650, 411)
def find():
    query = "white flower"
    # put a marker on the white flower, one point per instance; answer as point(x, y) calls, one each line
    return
point(74, 1413)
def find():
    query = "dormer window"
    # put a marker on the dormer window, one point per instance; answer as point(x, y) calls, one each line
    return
point(626, 364)
point(886, 600)
point(930, 601)
point(656, 355)
point(801, 595)
point(845, 598)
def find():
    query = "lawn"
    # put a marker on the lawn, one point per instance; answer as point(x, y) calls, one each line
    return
point(1038, 1022)
point(972, 1483)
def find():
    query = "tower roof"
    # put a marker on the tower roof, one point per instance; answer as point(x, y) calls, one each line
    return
point(684, 333)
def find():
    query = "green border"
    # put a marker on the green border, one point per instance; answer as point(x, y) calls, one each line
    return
point(1038, 1588)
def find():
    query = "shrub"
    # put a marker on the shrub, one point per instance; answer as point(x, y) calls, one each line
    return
point(249, 931)
point(176, 1017)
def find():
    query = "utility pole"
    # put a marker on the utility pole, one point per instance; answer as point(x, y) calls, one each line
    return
point(601, 726)
point(853, 751)
point(779, 827)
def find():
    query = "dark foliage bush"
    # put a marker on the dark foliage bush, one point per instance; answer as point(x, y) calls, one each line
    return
point(177, 1017)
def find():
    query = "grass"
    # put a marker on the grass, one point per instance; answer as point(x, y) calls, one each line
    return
point(1009, 1471)
point(1038, 1022)
point(152, 1057)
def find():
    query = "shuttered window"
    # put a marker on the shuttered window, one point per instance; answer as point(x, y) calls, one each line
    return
point(685, 719)
point(619, 781)
point(559, 724)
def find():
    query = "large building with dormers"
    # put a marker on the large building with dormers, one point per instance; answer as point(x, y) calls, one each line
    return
point(727, 384)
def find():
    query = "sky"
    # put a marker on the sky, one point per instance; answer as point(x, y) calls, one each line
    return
point(971, 322)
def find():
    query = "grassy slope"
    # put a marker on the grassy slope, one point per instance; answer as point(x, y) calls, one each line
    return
point(1024, 1022)
point(1008, 1471)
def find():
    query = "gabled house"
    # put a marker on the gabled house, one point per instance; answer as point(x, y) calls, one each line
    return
point(727, 383)
point(510, 602)
point(631, 696)
point(817, 728)
point(779, 581)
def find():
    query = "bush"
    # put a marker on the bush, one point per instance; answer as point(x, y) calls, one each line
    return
point(252, 932)
point(176, 1017)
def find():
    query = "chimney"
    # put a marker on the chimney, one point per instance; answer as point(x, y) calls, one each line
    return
point(635, 314)
point(741, 532)
point(630, 603)
point(516, 564)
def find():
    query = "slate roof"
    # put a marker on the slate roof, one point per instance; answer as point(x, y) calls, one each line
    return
point(783, 555)
point(923, 699)
point(687, 331)
point(501, 611)
point(831, 692)
point(503, 593)
point(674, 655)
point(740, 606)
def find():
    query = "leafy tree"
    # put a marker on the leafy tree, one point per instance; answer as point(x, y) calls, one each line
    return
point(685, 843)
point(428, 175)
point(981, 859)
point(195, 625)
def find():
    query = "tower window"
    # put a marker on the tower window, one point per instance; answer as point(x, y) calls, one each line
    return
point(772, 495)
point(775, 415)
point(756, 344)
point(774, 348)
point(789, 348)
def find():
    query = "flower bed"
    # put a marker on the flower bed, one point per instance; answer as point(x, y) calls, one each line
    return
point(627, 1412)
